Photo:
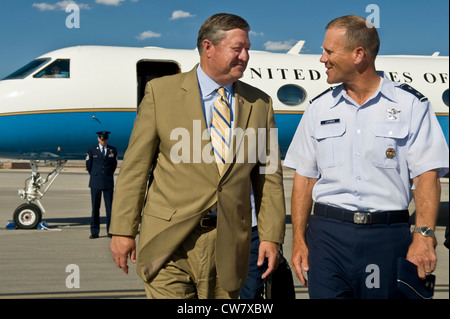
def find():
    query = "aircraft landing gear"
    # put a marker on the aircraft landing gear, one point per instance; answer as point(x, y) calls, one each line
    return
point(29, 215)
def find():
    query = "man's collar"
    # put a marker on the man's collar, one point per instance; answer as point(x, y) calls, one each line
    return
point(208, 86)
point(386, 88)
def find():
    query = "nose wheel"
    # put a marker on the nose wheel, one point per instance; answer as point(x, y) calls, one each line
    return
point(27, 216)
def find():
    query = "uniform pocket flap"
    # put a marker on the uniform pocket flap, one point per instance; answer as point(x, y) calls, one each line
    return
point(330, 130)
point(392, 130)
point(159, 211)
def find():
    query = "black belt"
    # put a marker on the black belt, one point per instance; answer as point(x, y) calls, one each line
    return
point(384, 217)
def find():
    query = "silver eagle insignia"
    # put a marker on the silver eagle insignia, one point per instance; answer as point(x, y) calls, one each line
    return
point(392, 113)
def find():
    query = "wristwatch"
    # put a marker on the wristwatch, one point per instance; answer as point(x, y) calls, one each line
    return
point(424, 231)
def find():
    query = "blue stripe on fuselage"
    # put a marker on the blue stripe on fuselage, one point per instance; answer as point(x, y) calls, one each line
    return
point(69, 135)
point(66, 135)
point(287, 125)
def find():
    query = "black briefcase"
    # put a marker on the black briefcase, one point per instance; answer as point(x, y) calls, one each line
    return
point(280, 283)
point(409, 283)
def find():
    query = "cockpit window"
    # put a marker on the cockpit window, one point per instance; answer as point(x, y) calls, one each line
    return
point(58, 69)
point(26, 70)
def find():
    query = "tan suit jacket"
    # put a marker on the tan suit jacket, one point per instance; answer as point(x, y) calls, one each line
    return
point(168, 126)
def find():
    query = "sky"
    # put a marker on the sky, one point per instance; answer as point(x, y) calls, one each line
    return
point(30, 28)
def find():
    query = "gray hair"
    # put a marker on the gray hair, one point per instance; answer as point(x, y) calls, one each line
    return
point(214, 28)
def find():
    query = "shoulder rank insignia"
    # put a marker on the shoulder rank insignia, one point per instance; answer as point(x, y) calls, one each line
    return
point(323, 93)
point(413, 91)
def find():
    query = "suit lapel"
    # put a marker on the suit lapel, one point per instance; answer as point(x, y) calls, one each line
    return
point(193, 105)
point(243, 110)
point(192, 99)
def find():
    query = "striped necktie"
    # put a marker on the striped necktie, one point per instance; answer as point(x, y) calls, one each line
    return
point(220, 129)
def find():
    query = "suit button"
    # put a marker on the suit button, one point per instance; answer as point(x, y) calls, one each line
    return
point(219, 189)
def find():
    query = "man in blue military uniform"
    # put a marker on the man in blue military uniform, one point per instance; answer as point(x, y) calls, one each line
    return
point(101, 162)
point(359, 150)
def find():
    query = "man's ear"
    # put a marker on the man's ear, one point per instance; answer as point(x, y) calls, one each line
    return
point(358, 55)
point(207, 46)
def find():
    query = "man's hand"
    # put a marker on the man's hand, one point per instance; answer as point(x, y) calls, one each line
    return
point(299, 261)
point(269, 250)
point(422, 253)
point(301, 206)
point(121, 248)
point(427, 199)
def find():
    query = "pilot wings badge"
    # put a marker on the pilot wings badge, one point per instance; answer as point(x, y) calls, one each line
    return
point(393, 114)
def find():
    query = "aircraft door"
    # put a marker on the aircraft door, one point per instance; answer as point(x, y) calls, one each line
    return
point(149, 70)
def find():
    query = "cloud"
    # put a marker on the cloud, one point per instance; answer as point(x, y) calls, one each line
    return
point(147, 35)
point(279, 46)
point(44, 6)
point(109, 2)
point(256, 34)
point(180, 14)
point(61, 5)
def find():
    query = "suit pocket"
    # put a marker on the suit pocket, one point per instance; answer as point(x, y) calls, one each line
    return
point(159, 211)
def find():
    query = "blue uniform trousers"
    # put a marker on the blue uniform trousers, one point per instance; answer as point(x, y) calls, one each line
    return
point(96, 197)
point(348, 260)
point(254, 286)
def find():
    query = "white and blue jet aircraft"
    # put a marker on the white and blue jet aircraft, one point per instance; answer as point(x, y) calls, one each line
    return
point(51, 108)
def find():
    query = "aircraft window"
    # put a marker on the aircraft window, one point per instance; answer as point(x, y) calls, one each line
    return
point(58, 69)
point(291, 95)
point(445, 97)
point(26, 70)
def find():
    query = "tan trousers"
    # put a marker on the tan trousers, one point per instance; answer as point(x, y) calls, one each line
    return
point(190, 273)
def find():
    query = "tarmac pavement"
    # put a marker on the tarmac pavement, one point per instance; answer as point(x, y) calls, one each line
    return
point(62, 262)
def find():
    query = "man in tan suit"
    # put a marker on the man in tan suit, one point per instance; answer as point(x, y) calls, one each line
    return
point(196, 222)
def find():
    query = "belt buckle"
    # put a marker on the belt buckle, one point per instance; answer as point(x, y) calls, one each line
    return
point(203, 225)
point(362, 218)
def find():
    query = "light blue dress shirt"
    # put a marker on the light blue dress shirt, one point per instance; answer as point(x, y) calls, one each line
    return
point(366, 156)
point(208, 92)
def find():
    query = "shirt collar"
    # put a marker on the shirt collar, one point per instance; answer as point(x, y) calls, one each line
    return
point(208, 86)
point(337, 95)
point(385, 88)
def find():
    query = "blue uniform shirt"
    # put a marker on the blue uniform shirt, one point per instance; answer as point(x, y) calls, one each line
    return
point(366, 156)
